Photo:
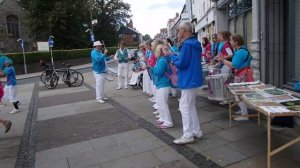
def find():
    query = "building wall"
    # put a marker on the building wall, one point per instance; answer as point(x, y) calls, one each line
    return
point(7, 44)
point(204, 13)
point(200, 8)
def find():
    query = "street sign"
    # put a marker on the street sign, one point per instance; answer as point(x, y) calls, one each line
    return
point(43, 46)
point(92, 36)
point(22, 44)
point(50, 42)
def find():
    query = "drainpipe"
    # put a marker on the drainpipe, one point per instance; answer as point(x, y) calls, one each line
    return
point(256, 39)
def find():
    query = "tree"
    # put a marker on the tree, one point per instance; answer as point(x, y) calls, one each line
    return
point(111, 14)
point(64, 19)
point(146, 37)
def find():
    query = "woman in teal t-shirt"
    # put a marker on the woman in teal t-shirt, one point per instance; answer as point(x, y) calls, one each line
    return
point(241, 62)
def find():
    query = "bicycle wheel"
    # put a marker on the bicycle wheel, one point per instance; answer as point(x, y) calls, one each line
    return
point(51, 81)
point(75, 78)
point(43, 76)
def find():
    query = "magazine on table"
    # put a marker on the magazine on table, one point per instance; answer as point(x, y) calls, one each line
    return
point(255, 97)
point(273, 92)
point(283, 98)
point(275, 109)
point(262, 86)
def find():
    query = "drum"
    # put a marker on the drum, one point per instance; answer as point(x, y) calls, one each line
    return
point(209, 70)
point(217, 87)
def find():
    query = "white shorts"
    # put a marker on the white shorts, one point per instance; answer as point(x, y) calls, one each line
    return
point(10, 93)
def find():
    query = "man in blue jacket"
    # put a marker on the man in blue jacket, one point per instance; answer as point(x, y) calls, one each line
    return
point(99, 69)
point(188, 64)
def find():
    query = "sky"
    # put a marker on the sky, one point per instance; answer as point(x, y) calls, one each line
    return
point(149, 16)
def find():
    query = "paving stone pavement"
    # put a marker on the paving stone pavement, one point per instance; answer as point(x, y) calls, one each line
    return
point(73, 131)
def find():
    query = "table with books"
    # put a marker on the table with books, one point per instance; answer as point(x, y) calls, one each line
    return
point(268, 101)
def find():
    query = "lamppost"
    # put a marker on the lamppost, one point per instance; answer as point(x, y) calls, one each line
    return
point(24, 58)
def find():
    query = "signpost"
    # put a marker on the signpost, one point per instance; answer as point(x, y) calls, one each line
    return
point(24, 57)
point(51, 44)
point(92, 36)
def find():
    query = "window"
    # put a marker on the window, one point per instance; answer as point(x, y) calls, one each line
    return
point(293, 63)
point(134, 35)
point(13, 26)
point(237, 7)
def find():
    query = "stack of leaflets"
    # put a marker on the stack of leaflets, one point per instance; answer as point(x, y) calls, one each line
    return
point(240, 90)
point(255, 97)
point(275, 109)
point(292, 105)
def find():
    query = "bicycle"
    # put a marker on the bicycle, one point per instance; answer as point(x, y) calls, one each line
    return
point(70, 76)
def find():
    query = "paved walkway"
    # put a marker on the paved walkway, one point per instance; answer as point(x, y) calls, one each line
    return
point(73, 131)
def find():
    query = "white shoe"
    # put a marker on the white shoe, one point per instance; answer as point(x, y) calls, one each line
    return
point(118, 88)
point(174, 96)
point(183, 140)
point(15, 111)
point(158, 116)
point(198, 135)
point(155, 106)
point(241, 119)
point(224, 102)
point(156, 112)
point(100, 101)
point(104, 98)
point(151, 99)
point(126, 87)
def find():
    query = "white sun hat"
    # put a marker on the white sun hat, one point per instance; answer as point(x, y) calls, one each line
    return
point(97, 43)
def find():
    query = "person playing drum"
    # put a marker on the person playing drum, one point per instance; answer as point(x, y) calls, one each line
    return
point(241, 62)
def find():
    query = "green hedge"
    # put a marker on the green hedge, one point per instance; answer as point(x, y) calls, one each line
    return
point(32, 57)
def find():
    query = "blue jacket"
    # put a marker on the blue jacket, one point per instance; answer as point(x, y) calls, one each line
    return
point(159, 73)
point(188, 64)
point(99, 61)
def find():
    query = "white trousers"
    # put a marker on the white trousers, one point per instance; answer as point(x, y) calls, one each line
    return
point(162, 96)
point(146, 82)
point(134, 78)
point(153, 90)
point(242, 105)
point(100, 81)
point(187, 106)
point(122, 70)
point(10, 93)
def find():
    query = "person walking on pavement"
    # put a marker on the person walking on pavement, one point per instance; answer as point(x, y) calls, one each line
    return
point(7, 124)
point(99, 69)
point(122, 57)
point(189, 68)
point(10, 89)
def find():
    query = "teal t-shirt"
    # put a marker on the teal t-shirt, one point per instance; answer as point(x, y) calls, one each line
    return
point(241, 58)
point(10, 76)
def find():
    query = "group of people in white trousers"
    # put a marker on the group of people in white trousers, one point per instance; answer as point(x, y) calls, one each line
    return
point(188, 64)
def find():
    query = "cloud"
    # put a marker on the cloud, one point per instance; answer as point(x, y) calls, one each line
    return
point(149, 16)
point(171, 4)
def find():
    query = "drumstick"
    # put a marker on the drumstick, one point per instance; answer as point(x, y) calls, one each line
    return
point(103, 44)
point(171, 48)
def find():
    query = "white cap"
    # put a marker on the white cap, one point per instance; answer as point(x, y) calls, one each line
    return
point(97, 43)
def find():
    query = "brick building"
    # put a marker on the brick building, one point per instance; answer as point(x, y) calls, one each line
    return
point(130, 35)
point(13, 27)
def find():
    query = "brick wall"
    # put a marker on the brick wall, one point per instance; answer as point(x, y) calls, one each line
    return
point(11, 7)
